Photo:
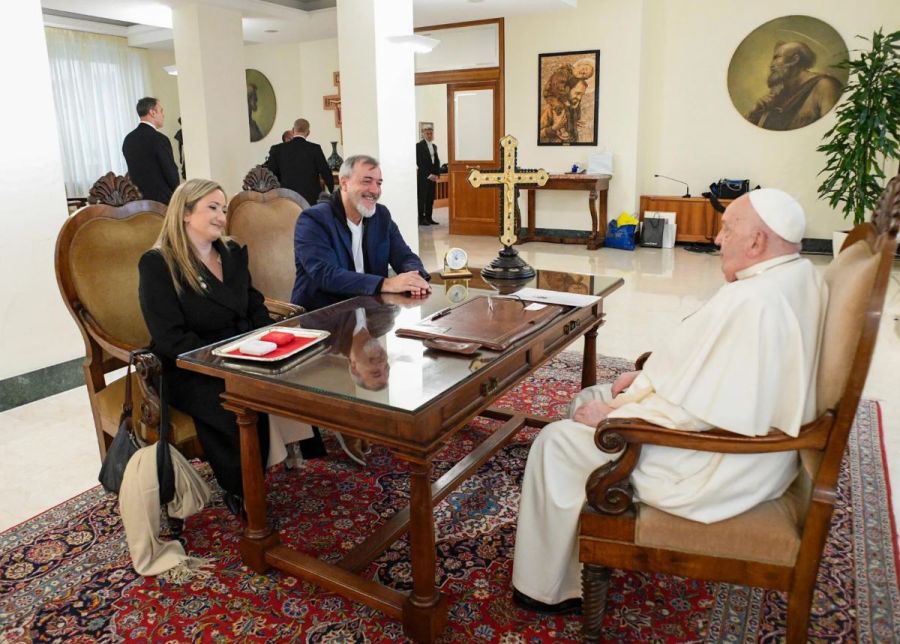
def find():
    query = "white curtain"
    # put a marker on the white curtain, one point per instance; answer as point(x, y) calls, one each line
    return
point(97, 81)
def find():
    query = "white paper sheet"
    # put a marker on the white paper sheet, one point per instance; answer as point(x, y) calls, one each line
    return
point(556, 297)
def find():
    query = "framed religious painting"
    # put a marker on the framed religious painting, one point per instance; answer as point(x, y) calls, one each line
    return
point(785, 74)
point(261, 104)
point(567, 97)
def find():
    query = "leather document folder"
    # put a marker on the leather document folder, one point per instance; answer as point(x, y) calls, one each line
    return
point(492, 322)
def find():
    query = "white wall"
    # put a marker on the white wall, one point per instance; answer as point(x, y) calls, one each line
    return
point(318, 62)
point(431, 105)
point(35, 328)
point(164, 87)
point(613, 27)
point(693, 131)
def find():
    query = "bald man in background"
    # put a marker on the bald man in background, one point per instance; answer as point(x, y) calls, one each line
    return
point(299, 164)
point(745, 361)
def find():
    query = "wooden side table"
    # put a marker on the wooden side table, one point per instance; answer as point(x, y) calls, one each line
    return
point(597, 186)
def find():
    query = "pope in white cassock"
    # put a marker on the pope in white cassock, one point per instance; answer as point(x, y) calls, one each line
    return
point(745, 362)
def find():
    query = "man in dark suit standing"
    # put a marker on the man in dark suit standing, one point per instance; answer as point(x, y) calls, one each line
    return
point(298, 164)
point(428, 167)
point(148, 153)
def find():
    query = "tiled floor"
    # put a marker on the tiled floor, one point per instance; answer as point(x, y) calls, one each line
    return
point(48, 449)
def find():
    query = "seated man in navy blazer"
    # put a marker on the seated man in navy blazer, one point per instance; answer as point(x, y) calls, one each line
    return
point(343, 246)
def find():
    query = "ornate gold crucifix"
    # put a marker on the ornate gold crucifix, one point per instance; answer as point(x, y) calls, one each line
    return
point(508, 265)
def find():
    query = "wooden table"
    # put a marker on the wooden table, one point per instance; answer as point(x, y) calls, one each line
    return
point(598, 187)
point(414, 420)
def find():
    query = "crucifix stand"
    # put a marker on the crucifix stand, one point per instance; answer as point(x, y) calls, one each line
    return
point(508, 265)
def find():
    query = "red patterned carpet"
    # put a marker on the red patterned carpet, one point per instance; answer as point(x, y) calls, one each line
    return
point(65, 575)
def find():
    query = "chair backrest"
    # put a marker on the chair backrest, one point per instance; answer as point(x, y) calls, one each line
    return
point(264, 222)
point(97, 253)
point(857, 282)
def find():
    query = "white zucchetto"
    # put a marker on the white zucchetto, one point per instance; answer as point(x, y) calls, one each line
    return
point(781, 212)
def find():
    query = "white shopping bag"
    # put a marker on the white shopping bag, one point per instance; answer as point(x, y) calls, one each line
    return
point(600, 163)
point(669, 231)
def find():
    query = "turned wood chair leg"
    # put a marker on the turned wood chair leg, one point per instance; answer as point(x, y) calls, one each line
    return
point(594, 585)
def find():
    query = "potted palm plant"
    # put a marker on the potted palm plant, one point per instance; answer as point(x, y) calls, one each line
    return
point(866, 136)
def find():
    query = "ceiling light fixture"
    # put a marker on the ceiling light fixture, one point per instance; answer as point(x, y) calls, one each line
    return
point(418, 43)
point(171, 70)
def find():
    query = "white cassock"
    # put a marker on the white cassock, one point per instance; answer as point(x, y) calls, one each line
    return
point(746, 361)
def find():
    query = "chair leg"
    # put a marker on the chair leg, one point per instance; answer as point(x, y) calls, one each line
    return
point(799, 604)
point(594, 585)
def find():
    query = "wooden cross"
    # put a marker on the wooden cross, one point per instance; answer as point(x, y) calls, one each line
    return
point(510, 178)
point(333, 102)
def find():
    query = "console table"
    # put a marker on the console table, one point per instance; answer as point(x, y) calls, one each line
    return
point(695, 217)
point(597, 186)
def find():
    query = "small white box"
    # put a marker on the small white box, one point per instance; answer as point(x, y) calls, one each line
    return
point(600, 163)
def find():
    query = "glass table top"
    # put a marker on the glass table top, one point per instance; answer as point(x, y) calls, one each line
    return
point(364, 360)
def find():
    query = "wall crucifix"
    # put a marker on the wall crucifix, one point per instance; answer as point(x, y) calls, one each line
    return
point(508, 264)
point(333, 102)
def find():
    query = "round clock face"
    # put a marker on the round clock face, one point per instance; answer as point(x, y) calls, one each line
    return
point(457, 293)
point(457, 258)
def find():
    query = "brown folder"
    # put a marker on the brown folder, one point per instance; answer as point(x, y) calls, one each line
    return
point(492, 322)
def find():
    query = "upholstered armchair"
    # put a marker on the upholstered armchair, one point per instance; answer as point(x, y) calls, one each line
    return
point(777, 544)
point(263, 217)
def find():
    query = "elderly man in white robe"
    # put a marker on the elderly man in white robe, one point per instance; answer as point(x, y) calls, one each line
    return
point(745, 362)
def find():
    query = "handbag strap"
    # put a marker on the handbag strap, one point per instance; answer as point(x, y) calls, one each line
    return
point(165, 471)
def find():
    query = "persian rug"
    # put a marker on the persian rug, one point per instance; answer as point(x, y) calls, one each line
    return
point(65, 575)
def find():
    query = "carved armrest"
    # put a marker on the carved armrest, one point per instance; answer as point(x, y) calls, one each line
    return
point(609, 489)
point(148, 369)
point(639, 363)
point(279, 310)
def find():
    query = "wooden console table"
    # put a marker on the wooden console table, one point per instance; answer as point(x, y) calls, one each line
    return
point(598, 187)
point(695, 217)
point(413, 422)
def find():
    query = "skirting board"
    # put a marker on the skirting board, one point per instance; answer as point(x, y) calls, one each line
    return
point(34, 385)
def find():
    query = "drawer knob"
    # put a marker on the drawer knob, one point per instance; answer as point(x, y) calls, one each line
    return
point(489, 387)
point(570, 326)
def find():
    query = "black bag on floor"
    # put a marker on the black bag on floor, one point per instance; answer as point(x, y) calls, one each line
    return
point(730, 188)
point(125, 443)
point(652, 230)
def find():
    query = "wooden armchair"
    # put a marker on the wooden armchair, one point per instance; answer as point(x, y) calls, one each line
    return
point(777, 544)
point(97, 255)
point(263, 217)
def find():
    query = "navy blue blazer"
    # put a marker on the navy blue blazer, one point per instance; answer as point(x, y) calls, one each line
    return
point(323, 255)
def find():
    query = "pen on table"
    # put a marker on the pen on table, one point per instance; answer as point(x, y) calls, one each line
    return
point(441, 313)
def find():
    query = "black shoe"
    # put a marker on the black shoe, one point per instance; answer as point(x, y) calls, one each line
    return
point(313, 447)
point(423, 221)
point(234, 503)
point(567, 607)
point(432, 222)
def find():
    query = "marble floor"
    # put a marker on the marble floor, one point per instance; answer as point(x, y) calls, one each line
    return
point(48, 449)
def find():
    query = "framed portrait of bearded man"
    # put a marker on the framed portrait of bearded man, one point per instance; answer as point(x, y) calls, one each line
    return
point(567, 97)
point(785, 75)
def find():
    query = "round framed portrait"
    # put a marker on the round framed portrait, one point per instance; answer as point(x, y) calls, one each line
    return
point(260, 104)
point(784, 74)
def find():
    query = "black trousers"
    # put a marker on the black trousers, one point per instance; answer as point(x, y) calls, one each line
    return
point(199, 396)
point(425, 193)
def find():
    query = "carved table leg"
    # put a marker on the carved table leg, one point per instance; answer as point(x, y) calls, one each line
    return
point(589, 361)
point(258, 536)
point(594, 585)
point(594, 241)
point(425, 611)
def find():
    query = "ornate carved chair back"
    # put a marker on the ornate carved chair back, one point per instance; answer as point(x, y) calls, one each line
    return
point(263, 217)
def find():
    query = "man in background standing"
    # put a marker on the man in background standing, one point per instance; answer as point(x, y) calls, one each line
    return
point(428, 167)
point(148, 153)
point(299, 164)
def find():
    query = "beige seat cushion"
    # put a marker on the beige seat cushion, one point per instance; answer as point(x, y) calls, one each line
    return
point(267, 229)
point(768, 533)
point(109, 404)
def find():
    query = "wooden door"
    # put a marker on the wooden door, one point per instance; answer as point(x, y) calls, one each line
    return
point(474, 113)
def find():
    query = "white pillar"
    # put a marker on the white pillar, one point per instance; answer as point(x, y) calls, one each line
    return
point(378, 100)
point(212, 92)
point(36, 331)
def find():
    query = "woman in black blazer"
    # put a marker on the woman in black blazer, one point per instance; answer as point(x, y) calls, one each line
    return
point(195, 289)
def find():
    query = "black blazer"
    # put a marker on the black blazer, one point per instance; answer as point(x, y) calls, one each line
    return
point(298, 164)
point(424, 166)
point(151, 163)
point(188, 321)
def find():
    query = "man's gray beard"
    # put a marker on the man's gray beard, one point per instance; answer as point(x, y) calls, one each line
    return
point(777, 77)
point(365, 212)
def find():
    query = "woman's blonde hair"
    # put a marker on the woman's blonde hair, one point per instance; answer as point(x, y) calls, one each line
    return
point(173, 243)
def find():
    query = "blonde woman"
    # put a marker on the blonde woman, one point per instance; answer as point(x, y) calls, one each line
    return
point(195, 289)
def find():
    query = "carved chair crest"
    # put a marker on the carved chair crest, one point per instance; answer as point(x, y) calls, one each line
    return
point(260, 179)
point(114, 190)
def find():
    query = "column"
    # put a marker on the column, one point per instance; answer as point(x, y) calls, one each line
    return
point(212, 91)
point(378, 101)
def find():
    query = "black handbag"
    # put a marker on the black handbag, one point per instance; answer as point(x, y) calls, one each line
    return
point(125, 443)
point(730, 188)
point(652, 232)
